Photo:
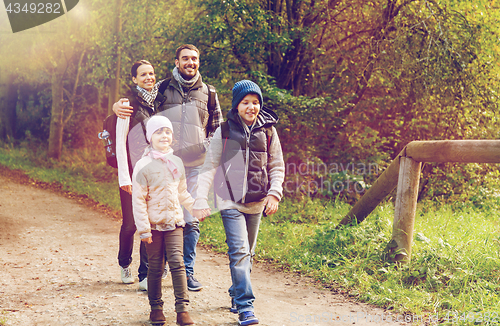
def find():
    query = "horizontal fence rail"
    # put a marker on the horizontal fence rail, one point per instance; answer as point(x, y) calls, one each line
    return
point(404, 173)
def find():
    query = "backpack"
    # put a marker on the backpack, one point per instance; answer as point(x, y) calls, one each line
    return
point(211, 97)
point(108, 134)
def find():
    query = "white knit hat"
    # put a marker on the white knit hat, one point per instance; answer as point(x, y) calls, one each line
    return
point(157, 122)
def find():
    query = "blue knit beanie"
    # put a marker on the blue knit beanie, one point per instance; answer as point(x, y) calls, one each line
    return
point(242, 89)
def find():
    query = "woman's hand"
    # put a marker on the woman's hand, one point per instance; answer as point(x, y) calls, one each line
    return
point(122, 110)
point(271, 204)
point(127, 188)
point(148, 240)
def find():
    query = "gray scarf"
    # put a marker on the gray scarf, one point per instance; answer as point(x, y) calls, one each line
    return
point(185, 83)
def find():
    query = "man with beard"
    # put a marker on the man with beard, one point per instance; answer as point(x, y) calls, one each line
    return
point(187, 106)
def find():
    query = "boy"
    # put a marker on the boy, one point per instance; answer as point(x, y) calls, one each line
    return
point(246, 161)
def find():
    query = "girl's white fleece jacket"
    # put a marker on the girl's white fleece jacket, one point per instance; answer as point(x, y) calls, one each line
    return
point(157, 197)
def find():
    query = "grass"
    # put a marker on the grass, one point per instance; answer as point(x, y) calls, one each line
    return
point(454, 271)
point(3, 320)
point(455, 266)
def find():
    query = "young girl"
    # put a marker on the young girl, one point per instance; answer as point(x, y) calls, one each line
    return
point(158, 190)
point(246, 160)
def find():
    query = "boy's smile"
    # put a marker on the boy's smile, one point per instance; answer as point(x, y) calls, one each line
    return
point(249, 108)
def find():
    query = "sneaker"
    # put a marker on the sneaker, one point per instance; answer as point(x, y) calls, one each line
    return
point(165, 272)
point(143, 285)
point(247, 318)
point(193, 284)
point(234, 308)
point(126, 274)
point(157, 317)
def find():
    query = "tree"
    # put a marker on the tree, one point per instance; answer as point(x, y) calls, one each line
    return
point(404, 70)
point(114, 82)
point(62, 109)
point(8, 101)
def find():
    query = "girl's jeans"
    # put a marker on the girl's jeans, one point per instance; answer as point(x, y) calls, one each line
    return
point(241, 238)
point(171, 243)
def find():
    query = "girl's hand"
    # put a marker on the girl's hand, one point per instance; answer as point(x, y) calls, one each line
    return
point(200, 214)
point(122, 110)
point(271, 204)
point(148, 240)
point(127, 188)
point(206, 213)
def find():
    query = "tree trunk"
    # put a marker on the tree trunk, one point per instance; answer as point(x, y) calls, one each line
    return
point(8, 102)
point(114, 85)
point(56, 115)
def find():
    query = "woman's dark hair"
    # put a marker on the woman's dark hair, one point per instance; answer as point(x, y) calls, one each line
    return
point(136, 65)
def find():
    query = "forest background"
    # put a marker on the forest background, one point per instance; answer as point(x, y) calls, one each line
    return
point(352, 81)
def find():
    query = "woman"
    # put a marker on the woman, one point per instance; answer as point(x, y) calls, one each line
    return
point(130, 145)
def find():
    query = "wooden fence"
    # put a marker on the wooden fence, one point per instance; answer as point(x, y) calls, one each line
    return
point(404, 172)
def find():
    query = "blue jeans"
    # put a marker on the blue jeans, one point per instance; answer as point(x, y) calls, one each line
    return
point(241, 238)
point(127, 232)
point(192, 229)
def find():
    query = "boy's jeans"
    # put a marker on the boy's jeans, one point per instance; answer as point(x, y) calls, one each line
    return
point(192, 229)
point(241, 238)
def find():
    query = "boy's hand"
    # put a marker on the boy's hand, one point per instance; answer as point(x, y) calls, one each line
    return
point(148, 240)
point(200, 214)
point(122, 110)
point(271, 204)
point(127, 188)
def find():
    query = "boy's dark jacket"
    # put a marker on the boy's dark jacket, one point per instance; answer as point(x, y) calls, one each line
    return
point(236, 174)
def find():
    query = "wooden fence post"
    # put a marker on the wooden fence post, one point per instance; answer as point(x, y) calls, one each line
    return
point(405, 172)
point(406, 204)
point(377, 192)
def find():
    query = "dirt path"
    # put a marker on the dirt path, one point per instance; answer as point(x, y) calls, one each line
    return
point(58, 267)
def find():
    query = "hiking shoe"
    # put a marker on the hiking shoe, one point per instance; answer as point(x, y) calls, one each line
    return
point(193, 284)
point(183, 318)
point(247, 318)
point(165, 272)
point(143, 285)
point(156, 317)
point(126, 274)
point(234, 308)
